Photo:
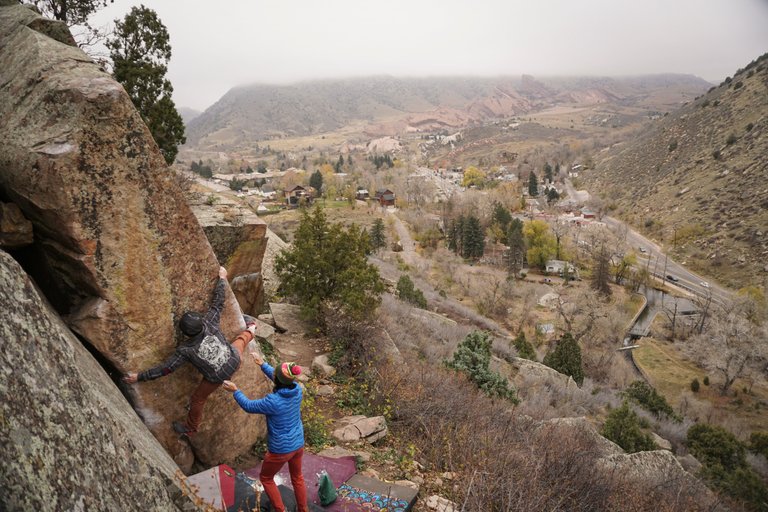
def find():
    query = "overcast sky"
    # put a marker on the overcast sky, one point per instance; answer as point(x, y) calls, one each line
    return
point(218, 45)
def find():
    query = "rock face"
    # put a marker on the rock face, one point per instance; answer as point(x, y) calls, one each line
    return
point(238, 238)
point(360, 428)
point(117, 250)
point(15, 230)
point(70, 440)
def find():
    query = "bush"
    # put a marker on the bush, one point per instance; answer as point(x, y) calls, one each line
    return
point(758, 443)
point(738, 85)
point(706, 380)
point(750, 126)
point(695, 385)
point(715, 446)
point(623, 428)
point(524, 347)
point(672, 145)
point(716, 154)
point(407, 292)
point(731, 139)
point(566, 358)
point(647, 398)
point(473, 358)
point(725, 465)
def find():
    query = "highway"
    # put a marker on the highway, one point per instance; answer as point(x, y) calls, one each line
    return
point(656, 261)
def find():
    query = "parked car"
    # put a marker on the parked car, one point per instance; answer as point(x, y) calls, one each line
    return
point(704, 284)
point(643, 250)
point(672, 278)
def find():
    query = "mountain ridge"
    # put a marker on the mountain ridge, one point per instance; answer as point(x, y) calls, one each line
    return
point(249, 113)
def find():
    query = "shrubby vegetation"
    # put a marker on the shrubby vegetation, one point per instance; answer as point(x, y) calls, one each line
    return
point(473, 358)
point(725, 465)
point(566, 358)
point(649, 399)
point(406, 291)
point(327, 264)
point(623, 427)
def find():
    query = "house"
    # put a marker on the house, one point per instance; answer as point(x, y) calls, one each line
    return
point(385, 197)
point(560, 266)
point(546, 329)
point(362, 194)
point(295, 195)
point(587, 214)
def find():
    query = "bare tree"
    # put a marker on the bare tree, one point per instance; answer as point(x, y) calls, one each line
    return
point(731, 345)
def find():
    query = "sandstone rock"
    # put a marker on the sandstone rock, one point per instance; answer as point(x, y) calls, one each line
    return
point(70, 439)
point(357, 428)
point(321, 367)
point(662, 443)
point(582, 426)
point(440, 504)
point(325, 390)
point(117, 248)
point(264, 331)
point(238, 238)
point(338, 451)
point(525, 373)
point(275, 245)
point(655, 467)
point(689, 463)
point(267, 318)
point(408, 483)
point(15, 230)
point(287, 318)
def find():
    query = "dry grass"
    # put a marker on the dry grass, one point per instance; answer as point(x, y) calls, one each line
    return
point(671, 373)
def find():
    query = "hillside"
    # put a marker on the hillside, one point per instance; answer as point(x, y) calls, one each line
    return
point(387, 105)
point(697, 179)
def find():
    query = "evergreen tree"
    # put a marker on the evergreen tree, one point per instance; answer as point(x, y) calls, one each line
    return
point(548, 172)
point(623, 428)
point(516, 254)
point(407, 291)
point(650, 400)
point(327, 265)
point(601, 273)
point(378, 235)
point(473, 358)
point(524, 347)
point(501, 218)
point(566, 358)
point(316, 180)
point(533, 185)
point(552, 195)
point(349, 161)
point(473, 245)
point(140, 50)
point(456, 235)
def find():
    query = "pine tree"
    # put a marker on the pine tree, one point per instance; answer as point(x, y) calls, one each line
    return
point(473, 239)
point(516, 254)
point(407, 291)
point(140, 50)
point(327, 265)
point(601, 273)
point(378, 235)
point(566, 358)
point(548, 172)
point(316, 180)
point(524, 347)
point(533, 185)
point(473, 358)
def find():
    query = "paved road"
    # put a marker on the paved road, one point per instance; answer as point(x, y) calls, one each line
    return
point(658, 263)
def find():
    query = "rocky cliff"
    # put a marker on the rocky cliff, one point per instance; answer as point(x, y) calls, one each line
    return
point(70, 441)
point(116, 249)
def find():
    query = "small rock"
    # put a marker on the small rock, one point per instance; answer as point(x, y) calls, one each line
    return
point(438, 482)
point(440, 504)
point(661, 442)
point(418, 479)
point(449, 475)
point(321, 366)
point(267, 319)
point(371, 473)
point(407, 483)
point(325, 390)
point(288, 353)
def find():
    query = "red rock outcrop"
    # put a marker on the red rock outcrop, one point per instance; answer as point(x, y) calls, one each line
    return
point(117, 249)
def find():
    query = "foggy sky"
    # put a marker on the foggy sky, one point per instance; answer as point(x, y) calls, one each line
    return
point(219, 45)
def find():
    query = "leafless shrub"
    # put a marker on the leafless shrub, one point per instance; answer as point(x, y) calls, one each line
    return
point(506, 460)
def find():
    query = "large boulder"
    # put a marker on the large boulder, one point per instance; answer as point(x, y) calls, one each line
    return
point(238, 238)
point(15, 230)
point(70, 439)
point(117, 249)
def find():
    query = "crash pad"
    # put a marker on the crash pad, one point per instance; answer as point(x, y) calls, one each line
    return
point(224, 489)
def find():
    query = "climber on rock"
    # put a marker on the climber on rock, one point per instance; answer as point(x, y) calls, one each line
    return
point(285, 432)
point(208, 350)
